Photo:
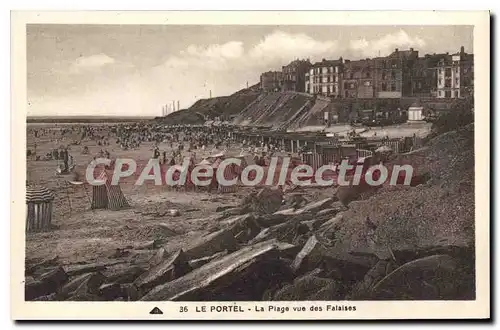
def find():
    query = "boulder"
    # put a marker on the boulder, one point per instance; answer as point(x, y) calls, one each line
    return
point(74, 284)
point(317, 254)
point(317, 206)
point(90, 285)
point(73, 270)
point(127, 275)
point(160, 255)
point(212, 243)
point(223, 208)
point(168, 270)
point(222, 279)
point(243, 226)
point(167, 230)
point(197, 263)
point(269, 220)
point(437, 277)
point(111, 291)
point(362, 289)
point(307, 288)
point(150, 245)
point(48, 283)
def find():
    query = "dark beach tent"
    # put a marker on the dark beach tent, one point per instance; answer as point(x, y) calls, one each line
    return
point(107, 195)
point(39, 208)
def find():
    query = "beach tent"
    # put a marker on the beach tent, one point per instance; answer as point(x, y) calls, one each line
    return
point(107, 196)
point(39, 208)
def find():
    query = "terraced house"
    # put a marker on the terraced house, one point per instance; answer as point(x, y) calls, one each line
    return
point(324, 78)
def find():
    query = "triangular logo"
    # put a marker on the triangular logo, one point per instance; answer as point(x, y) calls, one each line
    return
point(156, 310)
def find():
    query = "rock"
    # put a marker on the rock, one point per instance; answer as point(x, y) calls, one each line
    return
point(266, 201)
point(74, 270)
point(127, 275)
point(257, 264)
point(223, 208)
point(34, 289)
point(52, 280)
point(74, 284)
point(244, 226)
point(150, 245)
point(167, 230)
point(362, 290)
point(91, 284)
point(329, 212)
point(168, 270)
point(232, 212)
point(269, 220)
point(160, 255)
point(174, 212)
point(317, 206)
point(284, 232)
point(306, 287)
point(330, 227)
point(111, 291)
point(51, 261)
point(212, 243)
point(316, 254)
point(307, 251)
point(285, 212)
point(120, 253)
point(436, 277)
point(315, 223)
point(196, 263)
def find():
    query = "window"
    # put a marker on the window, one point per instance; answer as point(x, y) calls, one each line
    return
point(328, 90)
point(440, 81)
point(337, 69)
point(383, 76)
point(384, 87)
point(368, 74)
point(393, 74)
point(367, 83)
point(440, 93)
point(447, 94)
point(393, 87)
point(447, 72)
point(351, 85)
point(351, 75)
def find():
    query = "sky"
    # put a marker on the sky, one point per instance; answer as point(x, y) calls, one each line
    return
point(134, 70)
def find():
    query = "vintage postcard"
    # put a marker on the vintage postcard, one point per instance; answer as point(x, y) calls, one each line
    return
point(250, 165)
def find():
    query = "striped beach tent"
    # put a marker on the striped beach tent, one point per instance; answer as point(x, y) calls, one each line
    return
point(39, 208)
point(107, 195)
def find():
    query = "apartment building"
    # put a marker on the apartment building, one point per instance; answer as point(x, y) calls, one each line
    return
point(455, 75)
point(324, 78)
point(294, 75)
point(271, 81)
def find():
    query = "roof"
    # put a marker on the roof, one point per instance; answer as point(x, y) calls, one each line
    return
point(325, 62)
point(38, 194)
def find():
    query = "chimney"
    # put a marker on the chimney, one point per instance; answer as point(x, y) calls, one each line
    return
point(396, 50)
point(411, 49)
point(178, 105)
point(462, 50)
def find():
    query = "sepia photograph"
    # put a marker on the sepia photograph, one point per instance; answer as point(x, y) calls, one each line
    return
point(252, 166)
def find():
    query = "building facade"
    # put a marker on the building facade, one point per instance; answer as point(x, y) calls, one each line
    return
point(400, 74)
point(324, 78)
point(294, 75)
point(271, 81)
point(455, 75)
